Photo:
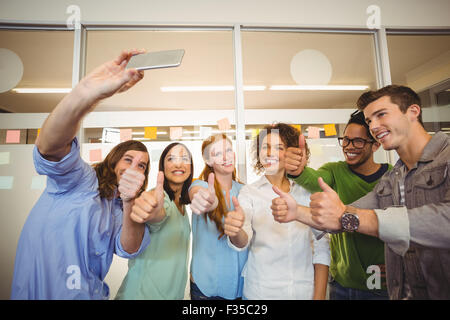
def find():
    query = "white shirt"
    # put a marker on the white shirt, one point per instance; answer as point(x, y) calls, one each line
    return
point(281, 255)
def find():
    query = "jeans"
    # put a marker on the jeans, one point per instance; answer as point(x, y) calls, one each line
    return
point(196, 294)
point(338, 292)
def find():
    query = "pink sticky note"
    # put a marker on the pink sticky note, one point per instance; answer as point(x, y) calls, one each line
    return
point(176, 133)
point(95, 155)
point(313, 133)
point(223, 124)
point(126, 134)
point(13, 136)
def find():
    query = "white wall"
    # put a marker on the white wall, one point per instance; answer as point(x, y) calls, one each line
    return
point(312, 13)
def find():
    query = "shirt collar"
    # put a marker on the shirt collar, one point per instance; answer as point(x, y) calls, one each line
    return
point(437, 143)
point(263, 181)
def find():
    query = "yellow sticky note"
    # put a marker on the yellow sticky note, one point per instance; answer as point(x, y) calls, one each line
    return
point(150, 132)
point(297, 126)
point(39, 131)
point(330, 129)
point(255, 132)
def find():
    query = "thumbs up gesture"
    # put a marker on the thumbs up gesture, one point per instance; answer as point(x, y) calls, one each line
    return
point(234, 220)
point(326, 208)
point(149, 205)
point(131, 181)
point(205, 199)
point(284, 208)
point(295, 158)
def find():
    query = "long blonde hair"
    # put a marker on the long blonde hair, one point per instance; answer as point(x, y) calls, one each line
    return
point(217, 214)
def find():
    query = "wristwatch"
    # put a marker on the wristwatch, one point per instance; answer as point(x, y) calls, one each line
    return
point(350, 220)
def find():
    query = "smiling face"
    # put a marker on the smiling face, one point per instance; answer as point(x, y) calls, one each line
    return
point(272, 153)
point(221, 157)
point(177, 166)
point(357, 156)
point(127, 159)
point(388, 124)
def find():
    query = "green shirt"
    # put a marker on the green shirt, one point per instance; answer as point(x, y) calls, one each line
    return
point(351, 253)
point(160, 272)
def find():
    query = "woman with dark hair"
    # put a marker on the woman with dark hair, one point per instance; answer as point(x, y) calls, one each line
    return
point(67, 243)
point(160, 272)
point(215, 267)
point(284, 261)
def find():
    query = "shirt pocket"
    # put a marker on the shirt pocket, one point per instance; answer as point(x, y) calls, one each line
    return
point(429, 186)
point(384, 194)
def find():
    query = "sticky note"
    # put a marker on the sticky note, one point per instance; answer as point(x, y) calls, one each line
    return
point(6, 182)
point(150, 132)
point(313, 133)
point(330, 129)
point(223, 124)
point(316, 149)
point(39, 131)
point(125, 134)
point(38, 182)
point(297, 126)
point(255, 133)
point(176, 133)
point(111, 135)
point(4, 158)
point(95, 155)
point(13, 136)
point(205, 132)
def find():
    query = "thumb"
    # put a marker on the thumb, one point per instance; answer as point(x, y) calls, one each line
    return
point(211, 183)
point(278, 191)
point(160, 183)
point(324, 186)
point(136, 160)
point(301, 142)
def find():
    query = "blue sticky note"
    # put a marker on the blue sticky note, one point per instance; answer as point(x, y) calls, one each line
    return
point(6, 182)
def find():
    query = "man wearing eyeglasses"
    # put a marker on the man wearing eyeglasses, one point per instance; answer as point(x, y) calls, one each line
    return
point(351, 253)
point(409, 209)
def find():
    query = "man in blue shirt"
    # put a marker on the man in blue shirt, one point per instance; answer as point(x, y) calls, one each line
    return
point(68, 241)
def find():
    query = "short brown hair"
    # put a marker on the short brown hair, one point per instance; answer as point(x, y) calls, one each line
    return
point(288, 134)
point(107, 179)
point(400, 95)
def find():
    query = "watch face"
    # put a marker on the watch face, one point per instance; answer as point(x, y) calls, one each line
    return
point(350, 222)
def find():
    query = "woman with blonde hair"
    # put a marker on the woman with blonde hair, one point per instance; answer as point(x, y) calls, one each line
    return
point(215, 267)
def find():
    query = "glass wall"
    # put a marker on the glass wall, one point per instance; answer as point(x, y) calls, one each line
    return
point(298, 70)
point(422, 62)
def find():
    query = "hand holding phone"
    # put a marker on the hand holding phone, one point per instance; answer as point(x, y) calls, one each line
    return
point(156, 59)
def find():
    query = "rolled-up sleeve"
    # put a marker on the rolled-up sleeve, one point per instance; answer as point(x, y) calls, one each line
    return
point(393, 228)
point(322, 250)
point(122, 253)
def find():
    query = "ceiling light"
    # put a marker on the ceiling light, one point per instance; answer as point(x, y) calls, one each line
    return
point(42, 90)
point(318, 87)
point(209, 88)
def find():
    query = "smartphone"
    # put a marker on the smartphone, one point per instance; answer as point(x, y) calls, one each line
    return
point(156, 59)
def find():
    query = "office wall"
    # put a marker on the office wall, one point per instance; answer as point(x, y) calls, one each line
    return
point(320, 13)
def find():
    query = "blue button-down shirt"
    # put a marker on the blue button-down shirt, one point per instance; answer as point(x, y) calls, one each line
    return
point(67, 243)
point(215, 267)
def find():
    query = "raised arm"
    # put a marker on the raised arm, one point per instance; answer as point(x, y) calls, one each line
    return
point(62, 124)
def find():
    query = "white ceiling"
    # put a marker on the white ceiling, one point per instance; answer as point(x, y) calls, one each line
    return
point(47, 59)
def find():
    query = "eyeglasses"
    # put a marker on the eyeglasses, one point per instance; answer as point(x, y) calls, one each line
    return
point(358, 143)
